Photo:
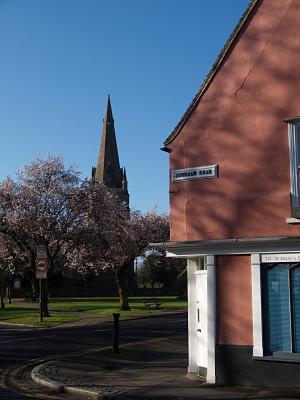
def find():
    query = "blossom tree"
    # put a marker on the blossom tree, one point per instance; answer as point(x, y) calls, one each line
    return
point(11, 258)
point(82, 225)
point(112, 235)
point(140, 230)
point(38, 208)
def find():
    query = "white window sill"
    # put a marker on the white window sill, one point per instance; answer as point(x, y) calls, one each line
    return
point(293, 220)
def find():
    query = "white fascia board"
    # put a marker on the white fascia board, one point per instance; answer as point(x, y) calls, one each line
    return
point(183, 252)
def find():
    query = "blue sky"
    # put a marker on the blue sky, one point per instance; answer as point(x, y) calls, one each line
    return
point(60, 58)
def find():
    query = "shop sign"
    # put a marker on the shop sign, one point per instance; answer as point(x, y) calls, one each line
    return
point(187, 174)
point(280, 258)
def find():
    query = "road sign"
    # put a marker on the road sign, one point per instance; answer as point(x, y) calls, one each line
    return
point(41, 269)
point(41, 251)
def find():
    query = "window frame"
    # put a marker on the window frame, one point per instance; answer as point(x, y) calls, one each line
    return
point(201, 264)
point(294, 145)
point(265, 311)
point(258, 317)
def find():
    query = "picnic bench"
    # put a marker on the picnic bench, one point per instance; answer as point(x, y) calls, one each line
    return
point(152, 302)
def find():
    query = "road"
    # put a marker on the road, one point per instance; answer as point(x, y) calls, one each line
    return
point(21, 349)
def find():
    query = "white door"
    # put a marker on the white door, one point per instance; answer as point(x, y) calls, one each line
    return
point(201, 324)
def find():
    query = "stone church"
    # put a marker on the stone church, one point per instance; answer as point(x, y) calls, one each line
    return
point(109, 172)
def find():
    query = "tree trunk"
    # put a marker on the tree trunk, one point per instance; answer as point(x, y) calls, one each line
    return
point(34, 290)
point(2, 298)
point(122, 289)
point(9, 291)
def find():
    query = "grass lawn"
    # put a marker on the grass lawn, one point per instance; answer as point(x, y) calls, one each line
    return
point(20, 314)
point(64, 310)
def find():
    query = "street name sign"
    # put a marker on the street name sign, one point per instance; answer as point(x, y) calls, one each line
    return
point(186, 174)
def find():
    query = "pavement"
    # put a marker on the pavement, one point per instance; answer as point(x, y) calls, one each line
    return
point(143, 370)
point(149, 369)
point(94, 319)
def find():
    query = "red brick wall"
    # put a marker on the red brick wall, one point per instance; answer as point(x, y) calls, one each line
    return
point(234, 300)
point(238, 125)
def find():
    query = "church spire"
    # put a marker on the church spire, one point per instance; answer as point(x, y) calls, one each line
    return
point(124, 180)
point(108, 169)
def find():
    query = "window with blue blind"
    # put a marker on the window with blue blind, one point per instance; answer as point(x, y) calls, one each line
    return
point(295, 274)
point(282, 305)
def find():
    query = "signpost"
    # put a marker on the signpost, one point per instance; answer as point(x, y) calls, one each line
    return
point(41, 269)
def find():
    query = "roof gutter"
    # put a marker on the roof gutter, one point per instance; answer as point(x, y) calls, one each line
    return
point(230, 246)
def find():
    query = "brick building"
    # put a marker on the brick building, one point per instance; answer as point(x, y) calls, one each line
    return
point(235, 203)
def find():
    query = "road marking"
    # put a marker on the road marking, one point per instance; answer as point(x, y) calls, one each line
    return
point(20, 340)
point(9, 376)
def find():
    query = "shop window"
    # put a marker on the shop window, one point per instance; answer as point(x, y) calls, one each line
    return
point(282, 309)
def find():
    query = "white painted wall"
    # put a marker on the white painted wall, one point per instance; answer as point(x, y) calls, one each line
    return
point(192, 312)
point(211, 319)
point(256, 306)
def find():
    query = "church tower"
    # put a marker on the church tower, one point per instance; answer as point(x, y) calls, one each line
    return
point(108, 170)
point(109, 173)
